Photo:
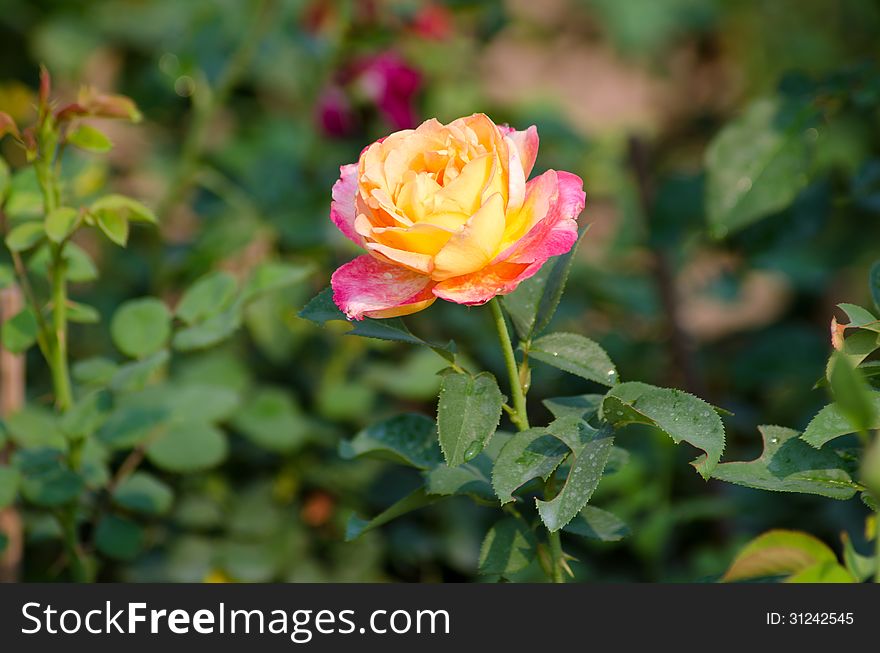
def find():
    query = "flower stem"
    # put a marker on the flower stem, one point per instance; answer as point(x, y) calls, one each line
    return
point(556, 556)
point(520, 417)
point(519, 399)
point(60, 372)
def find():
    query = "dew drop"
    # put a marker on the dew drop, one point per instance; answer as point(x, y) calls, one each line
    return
point(471, 452)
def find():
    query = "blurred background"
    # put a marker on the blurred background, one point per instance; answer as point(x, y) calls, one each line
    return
point(251, 107)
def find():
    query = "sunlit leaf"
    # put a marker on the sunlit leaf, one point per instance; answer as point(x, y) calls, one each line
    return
point(575, 354)
point(779, 553)
point(680, 415)
point(788, 464)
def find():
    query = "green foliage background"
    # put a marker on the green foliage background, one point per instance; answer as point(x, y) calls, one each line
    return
point(760, 196)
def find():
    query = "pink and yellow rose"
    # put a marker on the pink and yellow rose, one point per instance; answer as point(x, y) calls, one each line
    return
point(446, 211)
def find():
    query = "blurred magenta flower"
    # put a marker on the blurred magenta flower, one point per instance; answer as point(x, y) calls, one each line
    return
point(391, 84)
point(335, 114)
point(384, 82)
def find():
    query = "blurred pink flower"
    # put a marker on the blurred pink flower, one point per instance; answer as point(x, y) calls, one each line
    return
point(391, 84)
point(335, 114)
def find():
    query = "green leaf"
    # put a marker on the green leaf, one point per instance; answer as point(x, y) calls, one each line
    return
point(114, 225)
point(124, 208)
point(580, 406)
point(678, 414)
point(143, 493)
point(874, 283)
point(529, 454)
point(509, 546)
point(859, 317)
point(575, 354)
point(830, 423)
point(597, 524)
point(194, 401)
point(778, 553)
point(9, 479)
point(80, 268)
point(87, 415)
point(87, 138)
point(788, 464)
point(273, 276)
point(35, 427)
point(60, 223)
point(208, 296)
point(823, 572)
point(119, 538)
point(24, 236)
point(212, 331)
point(468, 413)
point(136, 374)
point(852, 394)
point(141, 327)
point(321, 309)
point(756, 166)
point(82, 313)
point(45, 478)
point(94, 371)
point(20, 331)
point(188, 446)
point(473, 478)
point(532, 305)
point(861, 567)
point(130, 426)
point(272, 420)
point(590, 451)
point(413, 501)
point(410, 439)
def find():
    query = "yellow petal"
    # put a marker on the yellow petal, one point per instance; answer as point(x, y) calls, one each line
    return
point(422, 238)
point(464, 193)
point(475, 244)
point(420, 263)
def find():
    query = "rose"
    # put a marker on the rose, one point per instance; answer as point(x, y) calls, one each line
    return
point(445, 211)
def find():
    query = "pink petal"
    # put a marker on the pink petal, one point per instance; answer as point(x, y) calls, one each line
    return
point(526, 142)
point(342, 208)
point(557, 231)
point(552, 235)
point(368, 287)
point(481, 286)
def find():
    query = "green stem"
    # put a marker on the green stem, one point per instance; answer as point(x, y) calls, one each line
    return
point(80, 568)
point(556, 556)
point(521, 419)
point(60, 372)
point(516, 390)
